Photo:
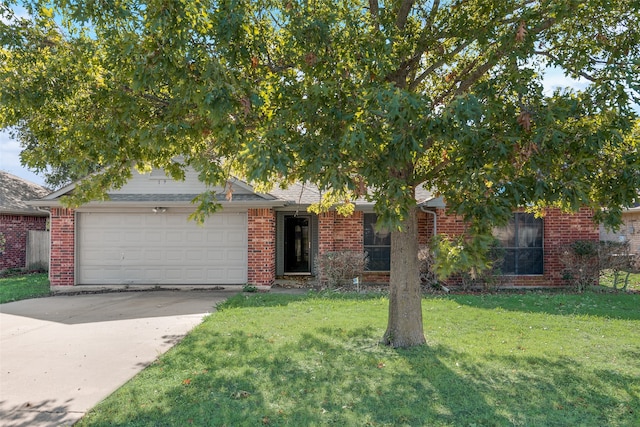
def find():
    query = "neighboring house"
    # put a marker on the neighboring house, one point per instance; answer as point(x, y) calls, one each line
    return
point(17, 218)
point(142, 236)
point(629, 231)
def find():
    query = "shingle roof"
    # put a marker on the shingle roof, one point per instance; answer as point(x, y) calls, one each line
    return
point(306, 194)
point(296, 193)
point(15, 191)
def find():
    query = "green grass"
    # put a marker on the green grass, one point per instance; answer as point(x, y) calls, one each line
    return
point(533, 359)
point(633, 280)
point(24, 286)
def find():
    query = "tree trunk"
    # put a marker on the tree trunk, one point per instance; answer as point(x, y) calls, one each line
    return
point(404, 328)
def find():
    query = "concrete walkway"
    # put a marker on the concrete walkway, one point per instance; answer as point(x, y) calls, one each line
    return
point(60, 356)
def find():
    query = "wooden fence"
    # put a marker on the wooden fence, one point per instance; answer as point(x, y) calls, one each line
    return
point(37, 250)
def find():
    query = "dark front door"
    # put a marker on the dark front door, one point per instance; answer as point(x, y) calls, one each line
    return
point(297, 244)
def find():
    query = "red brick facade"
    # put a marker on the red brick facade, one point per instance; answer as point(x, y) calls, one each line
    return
point(261, 247)
point(337, 233)
point(62, 265)
point(14, 229)
point(559, 230)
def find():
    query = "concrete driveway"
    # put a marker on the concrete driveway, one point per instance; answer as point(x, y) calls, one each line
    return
point(60, 356)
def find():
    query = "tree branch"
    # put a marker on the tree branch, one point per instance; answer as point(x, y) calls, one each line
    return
point(432, 173)
point(427, 29)
point(443, 60)
point(475, 75)
point(432, 13)
point(403, 13)
point(374, 10)
point(557, 60)
point(147, 96)
point(450, 90)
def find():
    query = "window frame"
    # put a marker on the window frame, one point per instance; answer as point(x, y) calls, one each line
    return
point(366, 222)
point(519, 247)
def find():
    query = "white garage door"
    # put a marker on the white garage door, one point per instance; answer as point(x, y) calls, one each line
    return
point(141, 248)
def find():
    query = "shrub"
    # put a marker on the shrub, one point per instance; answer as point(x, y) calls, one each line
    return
point(249, 288)
point(616, 257)
point(469, 264)
point(490, 277)
point(340, 267)
point(428, 276)
point(586, 260)
point(581, 262)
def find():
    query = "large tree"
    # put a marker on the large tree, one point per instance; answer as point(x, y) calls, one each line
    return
point(374, 97)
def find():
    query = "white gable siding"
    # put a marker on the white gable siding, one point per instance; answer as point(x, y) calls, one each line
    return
point(158, 183)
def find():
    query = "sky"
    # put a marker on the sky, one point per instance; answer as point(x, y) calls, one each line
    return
point(10, 159)
point(10, 148)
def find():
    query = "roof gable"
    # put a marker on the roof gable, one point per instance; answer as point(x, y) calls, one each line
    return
point(158, 188)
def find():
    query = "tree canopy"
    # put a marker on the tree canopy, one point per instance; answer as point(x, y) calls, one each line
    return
point(374, 97)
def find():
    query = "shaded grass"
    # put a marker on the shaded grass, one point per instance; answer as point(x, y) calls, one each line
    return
point(491, 360)
point(24, 286)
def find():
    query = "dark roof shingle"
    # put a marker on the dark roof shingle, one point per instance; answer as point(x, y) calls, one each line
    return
point(15, 192)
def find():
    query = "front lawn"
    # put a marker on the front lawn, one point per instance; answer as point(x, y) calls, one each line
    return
point(533, 359)
point(23, 286)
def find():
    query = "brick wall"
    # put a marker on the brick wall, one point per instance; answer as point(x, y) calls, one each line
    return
point(339, 233)
point(560, 229)
point(62, 266)
point(15, 229)
point(261, 247)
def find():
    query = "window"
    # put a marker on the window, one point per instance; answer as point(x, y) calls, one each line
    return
point(377, 245)
point(521, 241)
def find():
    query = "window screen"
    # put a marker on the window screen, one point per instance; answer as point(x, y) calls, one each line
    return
point(521, 241)
point(377, 245)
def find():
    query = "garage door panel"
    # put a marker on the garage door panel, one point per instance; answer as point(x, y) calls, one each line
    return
point(153, 220)
point(195, 257)
point(153, 256)
point(161, 249)
point(153, 276)
point(236, 255)
point(133, 257)
point(173, 274)
point(105, 237)
point(175, 256)
point(194, 236)
point(216, 255)
point(152, 237)
point(106, 274)
point(213, 238)
point(132, 221)
point(136, 275)
point(108, 257)
point(237, 275)
point(194, 275)
point(174, 237)
point(232, 221)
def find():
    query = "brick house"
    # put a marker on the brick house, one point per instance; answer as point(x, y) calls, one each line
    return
point(17, 218)
point(142, 236)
